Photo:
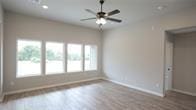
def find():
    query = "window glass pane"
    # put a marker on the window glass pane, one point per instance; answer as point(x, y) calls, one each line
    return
point(28, 58)
point(74, 58)
point(90, 57)
point(54, 58)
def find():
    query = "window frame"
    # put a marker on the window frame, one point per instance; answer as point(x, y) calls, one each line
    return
point(82, 58)
point(41, 61)
point(96, 57)
point(64, 57)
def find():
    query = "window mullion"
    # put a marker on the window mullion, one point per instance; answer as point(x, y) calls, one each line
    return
point(65, 57)
point(83, 58)
point(43, 59)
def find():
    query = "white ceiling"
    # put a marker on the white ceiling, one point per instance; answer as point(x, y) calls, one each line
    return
point(71, 11)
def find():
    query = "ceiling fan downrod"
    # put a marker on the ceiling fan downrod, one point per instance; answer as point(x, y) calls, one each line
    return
point(101, 2)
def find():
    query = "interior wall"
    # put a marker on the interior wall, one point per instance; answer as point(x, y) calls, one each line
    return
point(1, 13)
point(1, 50)
point(184, 73)
point(134, 54)
point(26, 27)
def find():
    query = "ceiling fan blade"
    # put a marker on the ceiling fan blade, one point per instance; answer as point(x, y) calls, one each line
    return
point(92, 12)
point(113, 12)
point(114, 20)
point(88, 19)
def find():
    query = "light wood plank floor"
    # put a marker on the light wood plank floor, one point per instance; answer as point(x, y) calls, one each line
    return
point(96, 95)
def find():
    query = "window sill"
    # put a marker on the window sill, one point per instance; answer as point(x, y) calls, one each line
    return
point(90, 70)
point(29, 76)
point(75, 72)
point(53, 74)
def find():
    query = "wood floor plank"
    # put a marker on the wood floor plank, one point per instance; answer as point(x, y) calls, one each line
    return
point(96, 95)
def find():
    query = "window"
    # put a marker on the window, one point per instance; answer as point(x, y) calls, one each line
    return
point(90, 57)
point(28, 58)
point(31, 63)
point(74, 58)
point(54, 58)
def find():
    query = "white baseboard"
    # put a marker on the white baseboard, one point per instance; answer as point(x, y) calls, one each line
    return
point(137, 88)
point(92, 79)
point(1, 98)
point(50, 86)
point(184, 92)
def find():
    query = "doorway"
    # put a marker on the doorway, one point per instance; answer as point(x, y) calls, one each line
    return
point(180, 61)
point(169, 46)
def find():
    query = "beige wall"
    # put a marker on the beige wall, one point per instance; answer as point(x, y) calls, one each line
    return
point(184, 73)
point(1, 13)
point(1, 50)
point(26, 27)
point(134, 54)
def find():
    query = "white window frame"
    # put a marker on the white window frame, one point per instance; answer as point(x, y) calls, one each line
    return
point(82, 57)
point(41, 61)
point(64, 57)
point(96, 57)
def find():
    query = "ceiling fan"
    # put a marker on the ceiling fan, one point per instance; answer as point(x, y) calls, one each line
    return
point(102, 17)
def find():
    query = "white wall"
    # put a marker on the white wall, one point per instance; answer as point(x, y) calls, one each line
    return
point(134, 54)
point(184, 73)
point(26, 27)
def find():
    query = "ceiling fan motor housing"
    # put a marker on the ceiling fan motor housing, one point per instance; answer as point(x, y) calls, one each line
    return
point(101, 14)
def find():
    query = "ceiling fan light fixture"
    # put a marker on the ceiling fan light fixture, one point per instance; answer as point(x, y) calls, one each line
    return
point(45, 7)
point(102, 17)
point(101, 21)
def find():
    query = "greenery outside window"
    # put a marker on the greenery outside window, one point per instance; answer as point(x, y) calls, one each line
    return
point(28, 58)
point(54, 58)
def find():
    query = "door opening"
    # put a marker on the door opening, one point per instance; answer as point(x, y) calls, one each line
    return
point(169, 45)
point(179, 64)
